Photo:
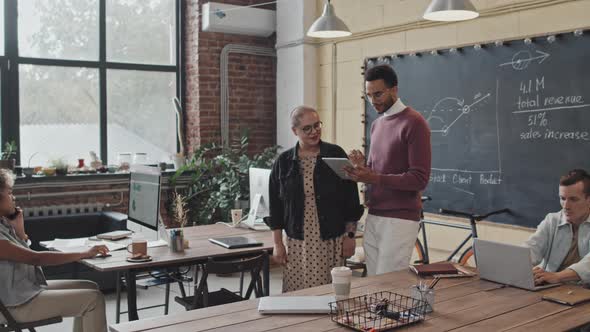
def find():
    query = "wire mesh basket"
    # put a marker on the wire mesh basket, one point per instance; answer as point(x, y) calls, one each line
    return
point(380, 311)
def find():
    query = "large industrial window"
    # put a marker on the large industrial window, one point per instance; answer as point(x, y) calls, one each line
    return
point(89, 75)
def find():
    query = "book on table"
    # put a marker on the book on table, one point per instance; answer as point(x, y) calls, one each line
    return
point(568, 295)
point(424, 270)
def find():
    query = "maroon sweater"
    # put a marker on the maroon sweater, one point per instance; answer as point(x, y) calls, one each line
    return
point(401, 154)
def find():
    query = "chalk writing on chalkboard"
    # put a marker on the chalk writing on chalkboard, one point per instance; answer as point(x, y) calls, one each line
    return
point(436, 118)
point(522, 59)
point(507, 120)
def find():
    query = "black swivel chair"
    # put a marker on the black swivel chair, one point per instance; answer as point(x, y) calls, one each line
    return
point(203, 298)
point(8, 324)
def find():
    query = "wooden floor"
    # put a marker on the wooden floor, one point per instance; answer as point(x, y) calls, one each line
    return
point(460, 305)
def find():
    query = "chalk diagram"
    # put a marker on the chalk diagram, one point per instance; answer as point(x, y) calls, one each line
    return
point(522, 59)
point(447, 111)
point(458, 124)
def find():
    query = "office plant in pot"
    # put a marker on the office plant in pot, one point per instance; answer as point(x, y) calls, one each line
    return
point(180, 214)
point(219, 178)
point(8, 155)
point(60, 165)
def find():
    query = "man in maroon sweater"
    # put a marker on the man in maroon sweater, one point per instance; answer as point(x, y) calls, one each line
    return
point(397, 170)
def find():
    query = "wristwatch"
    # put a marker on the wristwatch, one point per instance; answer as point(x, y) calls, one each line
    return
point(350, 235)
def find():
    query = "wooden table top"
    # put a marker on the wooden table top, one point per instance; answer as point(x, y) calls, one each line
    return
point(200, 248)
point(466, 304)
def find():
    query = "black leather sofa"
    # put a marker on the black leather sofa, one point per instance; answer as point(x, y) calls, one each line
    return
point(47, 228)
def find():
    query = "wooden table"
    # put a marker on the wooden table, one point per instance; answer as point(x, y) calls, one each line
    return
point(199, 252)
point(460, 304)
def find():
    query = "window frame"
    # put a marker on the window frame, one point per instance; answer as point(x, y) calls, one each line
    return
point(10, 62)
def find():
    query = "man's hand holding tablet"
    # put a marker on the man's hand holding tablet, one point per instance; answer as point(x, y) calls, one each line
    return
point(357, 171)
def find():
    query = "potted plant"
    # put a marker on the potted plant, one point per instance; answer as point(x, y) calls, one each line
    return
point(60, 165)
point(180, 214)
point(7, 159)
point(219, 178)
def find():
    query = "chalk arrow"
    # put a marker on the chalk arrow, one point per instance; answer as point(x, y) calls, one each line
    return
point(541, 57)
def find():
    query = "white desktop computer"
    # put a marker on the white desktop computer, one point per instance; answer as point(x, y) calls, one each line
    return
point(144, 202)
point(259, 199)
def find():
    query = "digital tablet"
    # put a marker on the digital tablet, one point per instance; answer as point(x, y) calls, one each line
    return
point(337, 165)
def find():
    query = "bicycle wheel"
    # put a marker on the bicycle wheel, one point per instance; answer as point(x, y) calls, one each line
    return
point(420, 253)
point(465, 256)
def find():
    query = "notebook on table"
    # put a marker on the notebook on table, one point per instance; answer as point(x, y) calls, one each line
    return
point(424, 270)
point(235, 242)
point(568, 295)
point(114, 235)
point(295, 304)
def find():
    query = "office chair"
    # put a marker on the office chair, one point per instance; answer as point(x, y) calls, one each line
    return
point(8, 324)
point(203, 298)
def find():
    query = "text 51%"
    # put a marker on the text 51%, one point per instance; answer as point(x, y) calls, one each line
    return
point(538, 119)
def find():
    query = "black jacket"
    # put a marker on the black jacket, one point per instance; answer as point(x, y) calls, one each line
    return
point(337, 200)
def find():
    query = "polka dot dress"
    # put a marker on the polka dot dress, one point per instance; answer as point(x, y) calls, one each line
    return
point(310, 260)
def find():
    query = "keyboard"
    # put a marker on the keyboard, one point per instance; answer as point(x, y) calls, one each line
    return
point(259, 226)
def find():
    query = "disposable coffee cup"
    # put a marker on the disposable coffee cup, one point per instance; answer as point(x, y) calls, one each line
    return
point(341, 277)
point(236, 215)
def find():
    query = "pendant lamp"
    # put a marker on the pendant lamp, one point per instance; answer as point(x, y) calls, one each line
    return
point(328, 25)
point(450, 10)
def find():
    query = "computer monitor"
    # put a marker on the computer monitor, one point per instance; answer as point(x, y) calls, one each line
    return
point(144, 197)
point(259, 198)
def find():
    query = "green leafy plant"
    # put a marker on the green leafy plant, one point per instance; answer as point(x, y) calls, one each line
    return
point(219, 178)
point(60, 164)
point(9, 150)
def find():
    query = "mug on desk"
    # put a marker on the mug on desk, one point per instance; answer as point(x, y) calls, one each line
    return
point(138, 247)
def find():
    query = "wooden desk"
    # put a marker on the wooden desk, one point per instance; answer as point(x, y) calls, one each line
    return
point(199, 252)
point(460, 304)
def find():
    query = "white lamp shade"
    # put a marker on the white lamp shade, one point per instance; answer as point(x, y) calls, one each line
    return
point(328, 25)
point(450, 10)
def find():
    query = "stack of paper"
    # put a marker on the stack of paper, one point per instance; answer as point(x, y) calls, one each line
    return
point(79, 244)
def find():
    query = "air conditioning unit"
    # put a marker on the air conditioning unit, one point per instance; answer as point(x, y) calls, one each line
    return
point(220, 17)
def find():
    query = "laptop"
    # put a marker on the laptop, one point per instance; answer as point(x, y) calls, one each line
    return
point(114, 235)
point(295, 304)
point(235, 242)
point(506, 264)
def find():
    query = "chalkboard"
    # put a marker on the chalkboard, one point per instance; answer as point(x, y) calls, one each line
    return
point(506, 120)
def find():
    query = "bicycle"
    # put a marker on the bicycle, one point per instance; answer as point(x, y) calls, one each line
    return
point(422, 252)
point(422, 248)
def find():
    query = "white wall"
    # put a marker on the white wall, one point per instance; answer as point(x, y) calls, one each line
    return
point(296, 64)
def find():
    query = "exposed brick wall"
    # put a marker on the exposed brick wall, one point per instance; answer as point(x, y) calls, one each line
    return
point(252, 84)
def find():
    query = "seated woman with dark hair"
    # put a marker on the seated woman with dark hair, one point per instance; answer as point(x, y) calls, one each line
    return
point(23, 288)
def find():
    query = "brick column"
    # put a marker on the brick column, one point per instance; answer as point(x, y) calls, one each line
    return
point(252, 84)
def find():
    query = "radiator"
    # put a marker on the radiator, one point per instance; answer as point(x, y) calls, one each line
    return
point(62, 210)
